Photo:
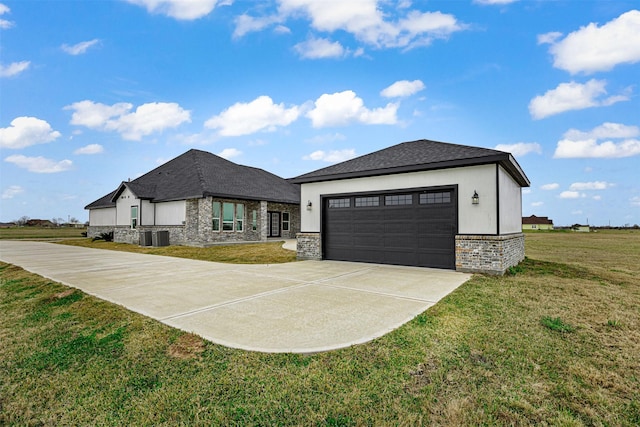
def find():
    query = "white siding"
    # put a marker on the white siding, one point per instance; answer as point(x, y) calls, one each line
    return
point(171, 213)
point(147, 213)
point(472, 219)
point(104, 216)
point(123, 207)
point(510, 204)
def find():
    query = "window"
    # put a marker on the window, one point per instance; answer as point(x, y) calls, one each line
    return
point(285, 221)
point(230, 216)
point(227, 216)
point(339, 203)
point(367, 201)
point(435, 198)
point(239, 217)
point(134, 216)
point(399, 199)
point(215, 213)
point(254, 220)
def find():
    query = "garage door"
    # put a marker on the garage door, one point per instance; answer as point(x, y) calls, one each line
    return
point(415, 228)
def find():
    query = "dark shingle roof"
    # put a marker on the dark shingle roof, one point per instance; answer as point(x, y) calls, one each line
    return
point(415, 156)
point(529, 220)
point(197, 173)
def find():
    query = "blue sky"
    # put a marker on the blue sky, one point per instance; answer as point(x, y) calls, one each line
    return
point(96, 92)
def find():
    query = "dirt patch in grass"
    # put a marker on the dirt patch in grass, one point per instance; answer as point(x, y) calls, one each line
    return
point(187, 346)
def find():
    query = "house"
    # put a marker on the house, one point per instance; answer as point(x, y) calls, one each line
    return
point(199, 199)
point(536, 223)
point(420, 203)
point(39, 223)
point(581, 228)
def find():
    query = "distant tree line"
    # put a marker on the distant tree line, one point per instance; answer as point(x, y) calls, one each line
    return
point(25, 221)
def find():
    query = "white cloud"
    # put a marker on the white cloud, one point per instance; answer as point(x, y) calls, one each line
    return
point(333, 156)
point(4, 24)
point(605, 130)
point(180, 9)
point(39, 164)
point(597, 197)
point(552, 186)
point(145, 120)
point(12, 191)
point(229, 153)
point(365, 20)
point(595, 185)
point(14, 68)
point(90, 149)
point(635, 201)
point(572, 96)
point(520, 148)
point(593, 48)
point(570, 195)
point(342, 108)
point(579, 144)
point(246, 24)
point(27, 131)
point(578, 212)
point(537, 204)
point(402, 88)
point(261, 114)
point(79, 48)
point(549, 38)
point(319, 48)
point(590, 148)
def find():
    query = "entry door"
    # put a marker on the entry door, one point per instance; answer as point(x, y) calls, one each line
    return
point(274, 224)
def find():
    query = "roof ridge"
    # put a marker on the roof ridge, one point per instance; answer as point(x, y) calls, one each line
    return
point(198, 167)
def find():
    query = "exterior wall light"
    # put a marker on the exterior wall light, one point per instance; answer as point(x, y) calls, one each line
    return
point(475, 199)
point(309, 204)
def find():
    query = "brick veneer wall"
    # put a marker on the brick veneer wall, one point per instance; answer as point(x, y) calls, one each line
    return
point(488, 254)
point(309, 246)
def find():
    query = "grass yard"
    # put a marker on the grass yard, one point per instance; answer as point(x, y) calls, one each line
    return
point(249, 253)
point(41, 233)
point(555, 343)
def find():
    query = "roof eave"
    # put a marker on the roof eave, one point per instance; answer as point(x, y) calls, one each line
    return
point(505, 159)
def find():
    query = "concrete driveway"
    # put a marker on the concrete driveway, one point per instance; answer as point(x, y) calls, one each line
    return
point(300, 307)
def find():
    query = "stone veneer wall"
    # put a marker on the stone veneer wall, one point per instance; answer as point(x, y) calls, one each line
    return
point(198, 227)
point(294, 218)
point(488, 254)
point(309, 246)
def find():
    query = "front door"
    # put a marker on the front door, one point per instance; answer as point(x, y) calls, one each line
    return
point(274, 224)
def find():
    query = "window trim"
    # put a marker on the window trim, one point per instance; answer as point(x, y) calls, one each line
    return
point(133, 221)
point(285, 222)
point(215, 217)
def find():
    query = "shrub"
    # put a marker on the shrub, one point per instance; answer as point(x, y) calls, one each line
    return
point(107, 237)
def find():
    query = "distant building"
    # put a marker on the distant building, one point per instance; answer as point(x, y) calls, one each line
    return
point(536, 223)
point(39, 223)
point(581, 228)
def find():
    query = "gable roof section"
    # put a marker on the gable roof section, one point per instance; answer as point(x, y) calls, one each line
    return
point(416, 156)
point(197, 174)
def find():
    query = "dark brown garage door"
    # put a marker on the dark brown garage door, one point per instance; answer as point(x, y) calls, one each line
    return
point(416, 228)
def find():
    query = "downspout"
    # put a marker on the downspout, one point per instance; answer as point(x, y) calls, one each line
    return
point(497, 199)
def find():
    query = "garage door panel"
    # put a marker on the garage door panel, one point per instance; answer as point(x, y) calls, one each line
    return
point(416, 234)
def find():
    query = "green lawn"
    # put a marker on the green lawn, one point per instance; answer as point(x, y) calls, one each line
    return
point(555, 343)
point(246, 253)
point(40, 233)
